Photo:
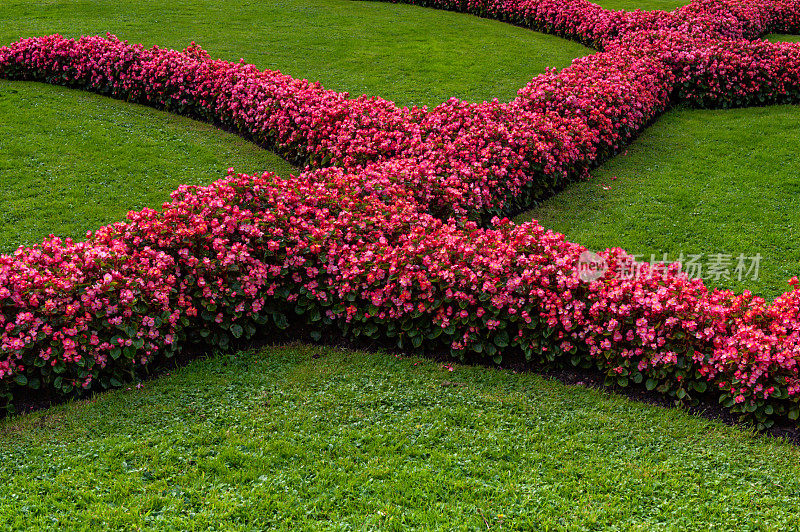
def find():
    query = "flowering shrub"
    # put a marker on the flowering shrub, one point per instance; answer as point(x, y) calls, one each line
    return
point(394, 231)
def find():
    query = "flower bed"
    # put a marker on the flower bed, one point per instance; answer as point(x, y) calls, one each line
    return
point(386, 234)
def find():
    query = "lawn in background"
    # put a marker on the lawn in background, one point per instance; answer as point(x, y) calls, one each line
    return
point(644, 5)
point(782, 37)
point(72, 161)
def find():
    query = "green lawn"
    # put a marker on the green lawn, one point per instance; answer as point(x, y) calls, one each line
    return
point(699, 182)
point(781, 37)
point(71, 161)
point(644, 5)
point(354, 441)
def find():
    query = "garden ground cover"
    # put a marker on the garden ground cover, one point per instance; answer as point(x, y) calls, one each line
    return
point(698, 182)
point(306, 438)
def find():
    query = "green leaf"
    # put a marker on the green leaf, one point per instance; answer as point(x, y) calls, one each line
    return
point(371, 330)
point(22, 380)
point(501, 339)
point(728, 403)
point(436, 332)
point(223, 341)
point(236, 330)
point(280, 320)
point(651, 384)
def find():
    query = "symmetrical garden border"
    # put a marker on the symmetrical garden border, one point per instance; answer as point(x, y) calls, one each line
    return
point(381, 237)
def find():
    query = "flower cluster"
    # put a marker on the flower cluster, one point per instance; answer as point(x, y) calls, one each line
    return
point(394, 230)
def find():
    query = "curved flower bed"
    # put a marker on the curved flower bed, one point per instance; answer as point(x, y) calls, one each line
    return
point(391, 232)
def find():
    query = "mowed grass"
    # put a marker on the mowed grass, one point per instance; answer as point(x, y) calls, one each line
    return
point(302, 438)
point(782, 37)
point(72, 162)
point(697, 182)
point(644, 5)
